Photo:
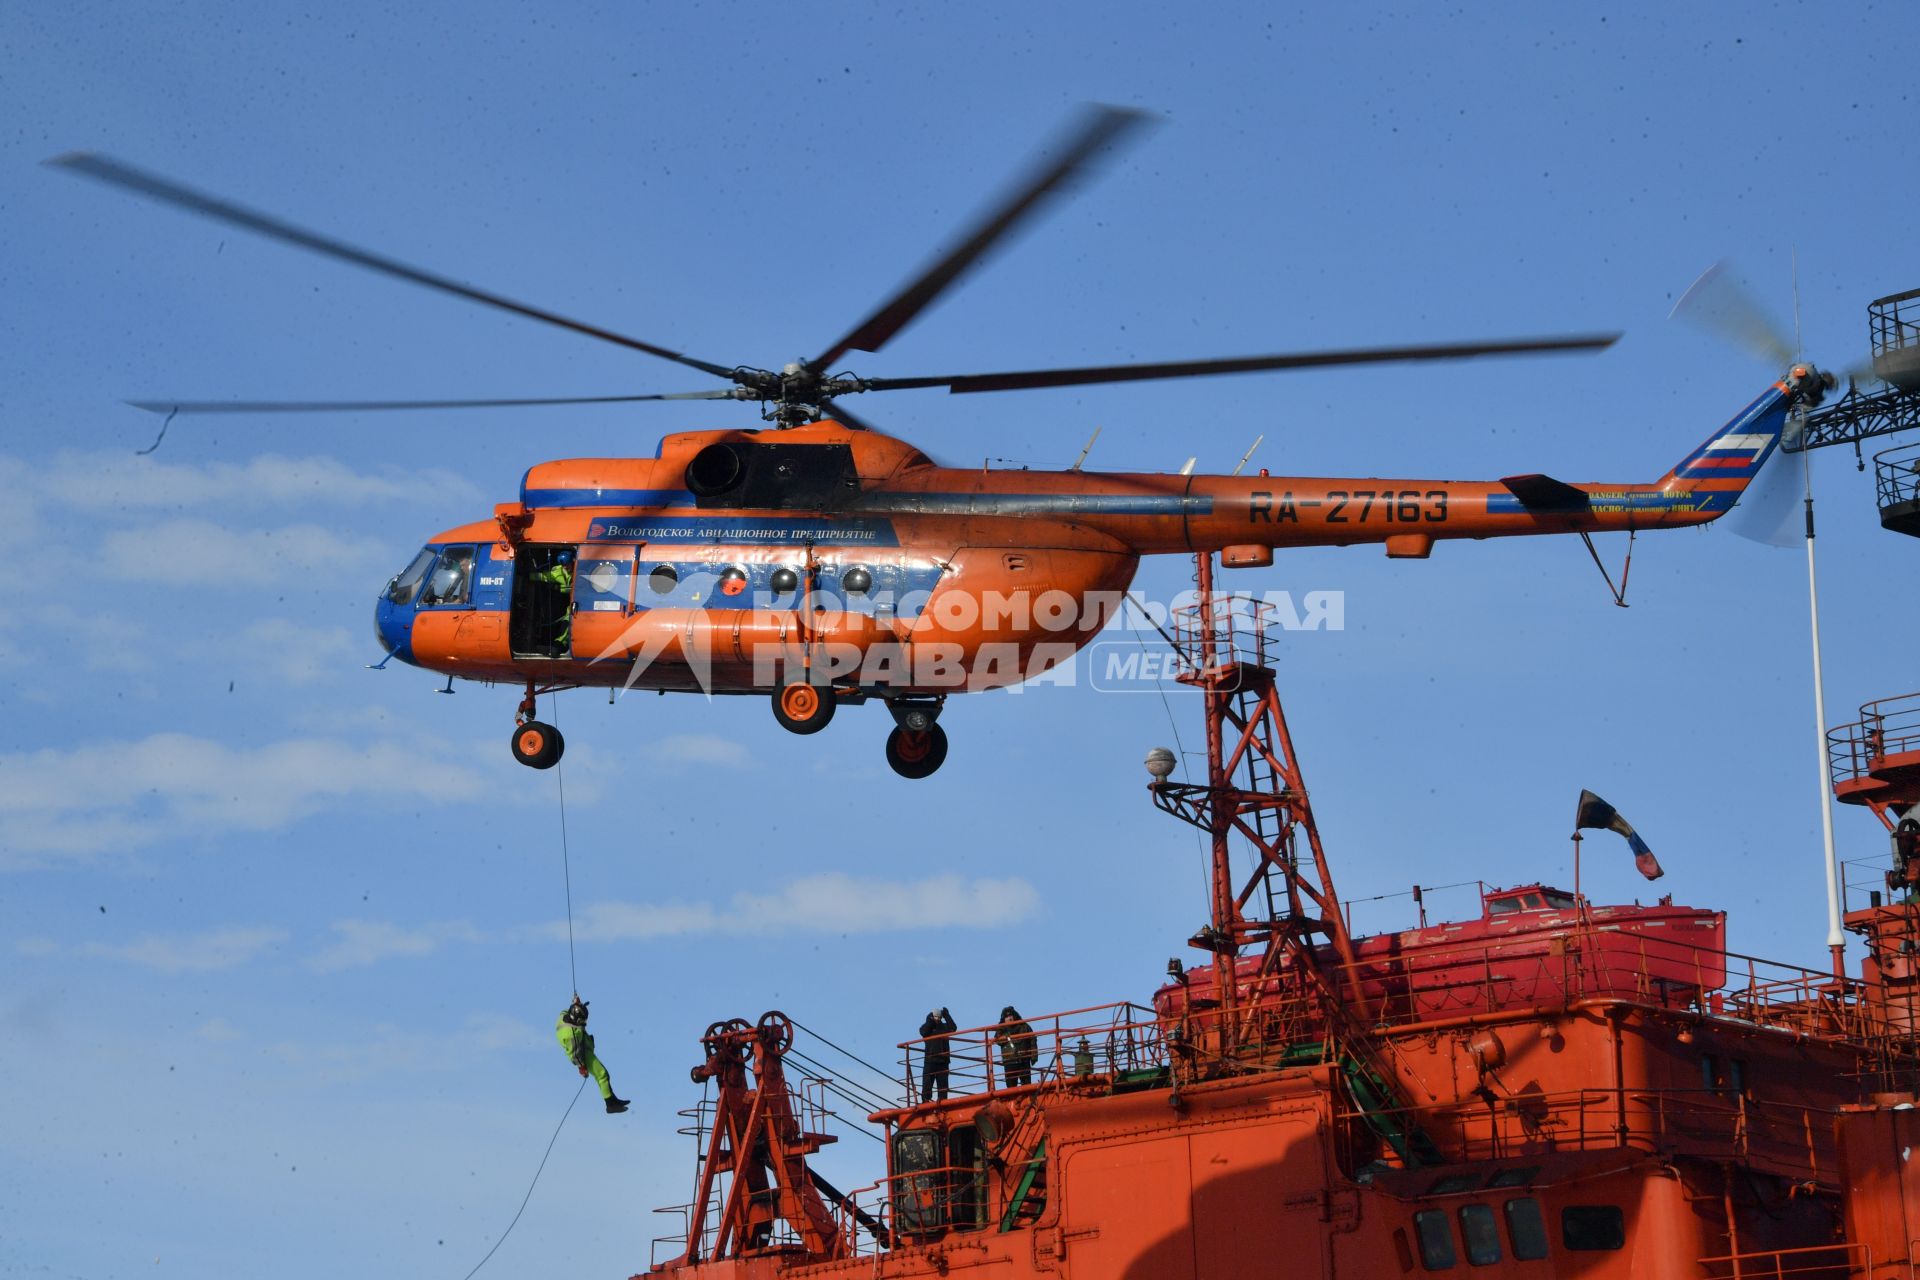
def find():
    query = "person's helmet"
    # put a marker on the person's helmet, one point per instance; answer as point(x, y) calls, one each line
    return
point(576, 1014)
point(564, 557)
point(1009, 1014)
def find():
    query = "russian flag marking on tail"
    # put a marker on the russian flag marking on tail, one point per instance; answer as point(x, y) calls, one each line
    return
point(1733, 455)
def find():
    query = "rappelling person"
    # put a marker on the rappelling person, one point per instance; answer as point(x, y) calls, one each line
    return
point(937, 1055)
point(1018, 1047)
point(571, 1031)
point(559, 575)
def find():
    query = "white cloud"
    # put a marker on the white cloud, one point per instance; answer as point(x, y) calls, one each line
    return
point(120, 795)
point(387, 1048)
point(95, 481)
point(621, 921)
point(698, 749)
point(302, 654)
point(835, 903)
point(490, 1031)
point(358, 943)
point(191, 551)
point(100, 641)
point(828, 903)
point(174, 953)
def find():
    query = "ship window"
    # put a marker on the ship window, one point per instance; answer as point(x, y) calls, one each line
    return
point(1502, 906)
point(1403, 1249)
point(1560, 901)
point(1527, 1229)
point(1454, 1183)
point(1710, 1073)
point(1533, 902)
point(1480, 1234)
point(967, 1179)
point(1591, 1228)
point(1436, 1239)
point(917, 1186)
point(1737, 1075)
point(1515, 1177)
point(663, 579)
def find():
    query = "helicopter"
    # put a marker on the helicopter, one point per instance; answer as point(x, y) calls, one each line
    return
point(821, 562)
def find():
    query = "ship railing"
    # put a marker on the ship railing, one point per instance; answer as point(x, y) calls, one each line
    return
point(1861, 879)
point(1278, 1017)
point(665, 1248)
point(1788, 1138)
point(917, 1206)
point(1421, 895)
point(699, 1118)
point(1835, 1260)
point(1240, 629)
point(1887, 726)
point(1598, 961)
point(1895, 321)
point(1118, 1040)
point(1896, 475)
point(811, 1098)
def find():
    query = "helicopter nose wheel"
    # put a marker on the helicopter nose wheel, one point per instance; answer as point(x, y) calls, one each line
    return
point(803, 708)
point(538, 745)
point(917, 753)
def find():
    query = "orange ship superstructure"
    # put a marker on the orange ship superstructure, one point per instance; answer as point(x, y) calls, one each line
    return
point(1553, 1088)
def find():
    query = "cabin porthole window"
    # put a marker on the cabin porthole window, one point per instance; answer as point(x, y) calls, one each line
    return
point(663, 579)
point(1480, 1233)
point(1435, 1233)
point(1593, 1228)
point(1526, 1229)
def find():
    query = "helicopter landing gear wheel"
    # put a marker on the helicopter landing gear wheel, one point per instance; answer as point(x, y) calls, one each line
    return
point(803, 708)
point(917, 754)
point(537, 745)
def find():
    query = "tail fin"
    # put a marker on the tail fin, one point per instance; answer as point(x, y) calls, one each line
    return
point(1720, 470)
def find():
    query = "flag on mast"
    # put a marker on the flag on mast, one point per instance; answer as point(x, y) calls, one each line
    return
point(1597, 815)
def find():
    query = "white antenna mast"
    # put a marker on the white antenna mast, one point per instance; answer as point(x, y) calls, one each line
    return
point(1245, 457)
point(1084, 452)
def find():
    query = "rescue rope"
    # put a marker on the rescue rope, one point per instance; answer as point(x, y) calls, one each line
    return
point(1179, 747)
point(531, 1185)
point(566, 861)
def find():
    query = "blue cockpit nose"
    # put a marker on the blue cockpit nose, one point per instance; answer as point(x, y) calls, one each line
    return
point(393, 628)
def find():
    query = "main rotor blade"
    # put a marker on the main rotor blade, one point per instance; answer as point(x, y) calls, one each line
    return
point(846, 417)
point(1098, 127)
point(970, 382)
point(359, 406)
point(141, 182)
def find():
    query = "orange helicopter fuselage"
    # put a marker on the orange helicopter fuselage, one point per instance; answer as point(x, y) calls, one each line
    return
point(735, 560)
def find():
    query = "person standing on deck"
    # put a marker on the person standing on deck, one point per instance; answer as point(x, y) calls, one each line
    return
point(1018, 1047)
point(936, 1053)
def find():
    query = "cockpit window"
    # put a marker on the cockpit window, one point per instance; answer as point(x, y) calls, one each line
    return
point(451, 579)
point(407, 583)
point(1560, 901)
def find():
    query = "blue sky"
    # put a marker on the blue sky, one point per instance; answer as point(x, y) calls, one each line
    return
point(282, 937)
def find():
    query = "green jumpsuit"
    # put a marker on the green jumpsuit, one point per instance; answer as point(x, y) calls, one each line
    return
point(560, 576)
point(579, 1047)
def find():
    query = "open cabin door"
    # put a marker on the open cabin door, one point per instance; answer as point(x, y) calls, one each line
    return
point(540, 623)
